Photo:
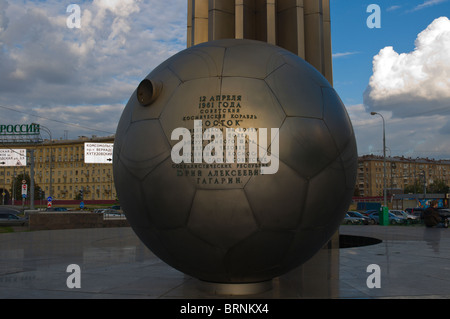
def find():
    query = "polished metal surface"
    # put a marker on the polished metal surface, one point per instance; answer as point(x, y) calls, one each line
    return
point(227, 222)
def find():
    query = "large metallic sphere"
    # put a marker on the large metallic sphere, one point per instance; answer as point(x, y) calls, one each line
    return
point(229, 221)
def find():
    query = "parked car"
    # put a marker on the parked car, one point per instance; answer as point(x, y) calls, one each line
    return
point(444, 212)
point(392, 218)
point(57, 209)
point(112, 213)
point(116, 207)
point(409, 217)
point(415, 211)
point(8, 219)
point(366, 220)
point(350, 220)
point(368, 212)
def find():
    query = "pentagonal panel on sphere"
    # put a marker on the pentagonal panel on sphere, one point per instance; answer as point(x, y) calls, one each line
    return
point(306, 145)
point(221, 218)
point(277, 199)
point(297, 92)
point(168, 196)
point(144, 147)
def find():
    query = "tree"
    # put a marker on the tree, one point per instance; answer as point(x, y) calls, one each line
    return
point(416, 188)
point(16, 186)
point(438, 187)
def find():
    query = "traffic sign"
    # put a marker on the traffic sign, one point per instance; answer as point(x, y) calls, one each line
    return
point(81, 205)
point(13, 157)
point(98, 153)
point(49, 205)
point(49, 199)
point(24, 190)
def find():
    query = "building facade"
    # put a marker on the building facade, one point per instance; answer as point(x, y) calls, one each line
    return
point(400, 173)
point(62, 162)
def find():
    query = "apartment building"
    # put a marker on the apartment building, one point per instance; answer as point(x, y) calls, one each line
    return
point(400, 172)
point(64, 161)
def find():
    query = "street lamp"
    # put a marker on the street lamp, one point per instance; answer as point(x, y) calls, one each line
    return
point(384, 157)
point(47, 130)
point(4, 180)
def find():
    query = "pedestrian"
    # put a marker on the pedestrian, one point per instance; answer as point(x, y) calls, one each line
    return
point(432, 217)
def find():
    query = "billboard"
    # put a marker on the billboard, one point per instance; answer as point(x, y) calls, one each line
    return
point(98, 153)
point(13, 157)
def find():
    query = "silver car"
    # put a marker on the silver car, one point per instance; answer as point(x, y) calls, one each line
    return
point(401, 213)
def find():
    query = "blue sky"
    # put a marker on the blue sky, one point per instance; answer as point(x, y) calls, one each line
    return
point(412, 130)
point(401, 22)
point(78, 80)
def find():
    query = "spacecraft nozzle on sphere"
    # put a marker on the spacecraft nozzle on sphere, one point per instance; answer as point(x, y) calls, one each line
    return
point(148, 91)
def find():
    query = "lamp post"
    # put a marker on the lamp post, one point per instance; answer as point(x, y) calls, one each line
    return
point(47, 130)
point(384, 157)
point(4, 180)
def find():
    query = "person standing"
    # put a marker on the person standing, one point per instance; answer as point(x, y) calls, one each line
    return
point(432, 217)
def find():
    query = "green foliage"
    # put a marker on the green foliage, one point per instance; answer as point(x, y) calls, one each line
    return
point(16, 185)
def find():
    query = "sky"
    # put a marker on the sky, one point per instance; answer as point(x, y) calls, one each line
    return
point(76, 81)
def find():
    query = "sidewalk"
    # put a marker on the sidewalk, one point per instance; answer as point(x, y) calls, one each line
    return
point(414, 263)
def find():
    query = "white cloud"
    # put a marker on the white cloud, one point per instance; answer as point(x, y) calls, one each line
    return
point(428, 3)
point(343, 54)
point(47, 68)
point(415, 83)
point(393, 8)
point(422, 136)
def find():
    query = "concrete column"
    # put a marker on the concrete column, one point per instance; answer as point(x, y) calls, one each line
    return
point(189, 24)
point(300, 26)
point(314, 50)
point(291, 26)
point(199, 17)
point(327, 44)
point(221, 23)
point(239, 19)
point(271, 22)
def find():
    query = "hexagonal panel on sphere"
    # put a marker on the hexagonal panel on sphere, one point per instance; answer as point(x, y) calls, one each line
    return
point(161, 186)
point(221, 217)
point(307, 145)
point(135, 154)
point(296, 92)
point(277, 199)
point(234, 161)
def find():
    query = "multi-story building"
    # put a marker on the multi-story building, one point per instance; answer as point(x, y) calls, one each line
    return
point(400, 172)
point(64, 161)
